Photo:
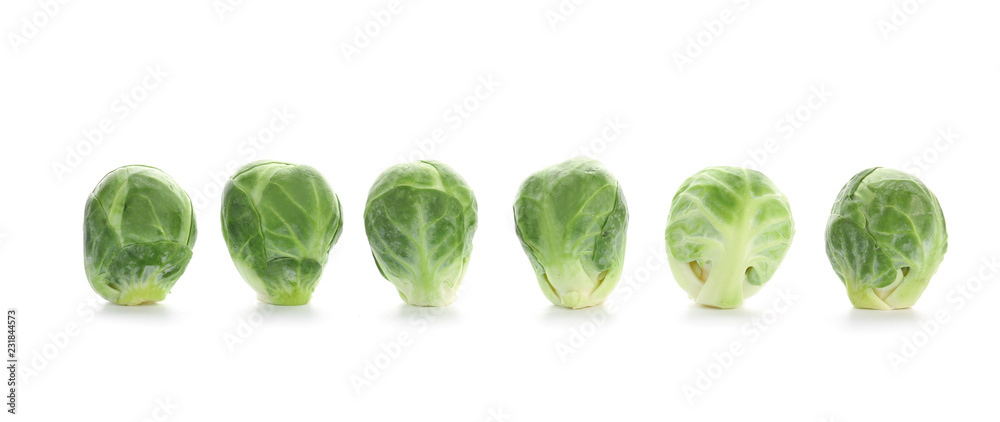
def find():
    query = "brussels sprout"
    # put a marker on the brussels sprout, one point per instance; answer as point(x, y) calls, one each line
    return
point(728, 231)
point(571, 219)
point(885, 239)
point(420, 219)
point(280, 221)
point(138, 231)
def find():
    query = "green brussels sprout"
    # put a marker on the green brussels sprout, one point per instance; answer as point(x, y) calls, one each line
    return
point(572, 219)
point(138, 231)
point(280, 221)
point(728, 231)
point(885, 239)
point(420, 219)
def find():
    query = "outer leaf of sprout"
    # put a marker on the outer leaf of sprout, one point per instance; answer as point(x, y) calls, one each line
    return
point(420, 219)
point(886, 238)
point(139, 229)
point(280, 221)
point(572, 219)
point(728, 231)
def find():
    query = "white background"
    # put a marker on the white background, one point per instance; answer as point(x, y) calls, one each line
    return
point(495, 353)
